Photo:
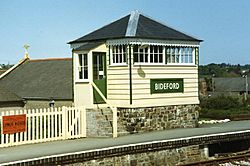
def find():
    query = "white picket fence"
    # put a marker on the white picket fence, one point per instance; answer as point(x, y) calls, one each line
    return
point(46, 125)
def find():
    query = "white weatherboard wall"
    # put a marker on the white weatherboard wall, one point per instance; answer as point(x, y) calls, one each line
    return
point(141, 86)
point(118, 86)
point(83, 91)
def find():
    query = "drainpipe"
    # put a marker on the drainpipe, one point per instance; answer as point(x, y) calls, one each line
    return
point(130, 77)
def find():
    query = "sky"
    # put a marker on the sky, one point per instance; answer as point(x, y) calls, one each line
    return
point(47, 25)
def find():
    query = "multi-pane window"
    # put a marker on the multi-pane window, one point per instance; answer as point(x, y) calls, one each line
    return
point(119, 54)
point(140, 54)
point(82, 66)
point(180, 55)
point(149, 54)
point(155, 54)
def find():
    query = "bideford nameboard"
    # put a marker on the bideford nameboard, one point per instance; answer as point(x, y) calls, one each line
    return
point(166, 85)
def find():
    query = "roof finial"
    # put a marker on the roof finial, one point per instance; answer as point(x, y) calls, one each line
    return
point(26, 47)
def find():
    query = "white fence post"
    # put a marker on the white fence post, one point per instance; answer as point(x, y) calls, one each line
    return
point(64, 122)
point(114, 122)
point(46, 125)
point(83, 122)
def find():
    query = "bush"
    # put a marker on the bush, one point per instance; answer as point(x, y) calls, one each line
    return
point(214, 114)
point(224, 114)
point(246, 102)
point(220, 102)
point(223, 107)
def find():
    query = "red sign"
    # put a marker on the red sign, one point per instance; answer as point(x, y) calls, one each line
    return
point(14, 124)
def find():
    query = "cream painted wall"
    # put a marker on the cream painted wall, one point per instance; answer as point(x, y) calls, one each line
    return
point(118, 86)
point(32, 104)
point(83, 91)
point(10, 108)
point(83, 95)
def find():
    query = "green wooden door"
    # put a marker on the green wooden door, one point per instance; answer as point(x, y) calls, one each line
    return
point(99, 76)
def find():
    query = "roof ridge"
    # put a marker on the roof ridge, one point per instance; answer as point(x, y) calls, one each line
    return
point(49, 59)
point(132, 23)
point(136, 25)
point(70, 42)
point(14, 67)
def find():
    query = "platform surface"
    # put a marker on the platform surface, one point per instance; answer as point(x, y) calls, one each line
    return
point(29, 151)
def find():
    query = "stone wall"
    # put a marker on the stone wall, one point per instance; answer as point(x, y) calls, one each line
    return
point(99, 122)
point(136, 120)
point(139, 120)
point(170, 157)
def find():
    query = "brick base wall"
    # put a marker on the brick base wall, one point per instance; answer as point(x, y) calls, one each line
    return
point(169, 157)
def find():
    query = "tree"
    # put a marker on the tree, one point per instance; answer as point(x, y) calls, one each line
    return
point(5, 67)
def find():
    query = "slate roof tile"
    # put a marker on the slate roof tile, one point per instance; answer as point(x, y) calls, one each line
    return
point(88, 46)
point(145, 27)
point(41, 79)
point(236, 84)
point(7, 96)
point(116, 29)
point(2, 71)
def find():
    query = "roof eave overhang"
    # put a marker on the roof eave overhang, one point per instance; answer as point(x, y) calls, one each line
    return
point(154, 41)
point(167, 39)
point(133, 37)
point(47, 98)
point(4, 101)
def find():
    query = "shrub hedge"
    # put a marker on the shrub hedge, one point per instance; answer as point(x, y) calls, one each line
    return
point(220, 102)
point(223, 107)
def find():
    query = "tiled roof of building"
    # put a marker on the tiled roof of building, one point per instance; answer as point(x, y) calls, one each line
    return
point(2, 71)
point(237, 84)
point(135, 25)
point(41, 79)
point(88, 46)
point(7, 96)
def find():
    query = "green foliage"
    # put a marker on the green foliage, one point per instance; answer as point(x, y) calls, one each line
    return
point(220, 102)
point(5, 67)
point(214, 114)
point(247, 102)
point(223, 107)
point(224, 114)
point(222, 70)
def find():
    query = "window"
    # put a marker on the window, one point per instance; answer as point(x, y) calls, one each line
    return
point(180, 55)
point(119, 54)
point(82, 66)
point(149, 54)
point(155, 54)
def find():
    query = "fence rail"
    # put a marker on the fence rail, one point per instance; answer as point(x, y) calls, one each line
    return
point(47, 124)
